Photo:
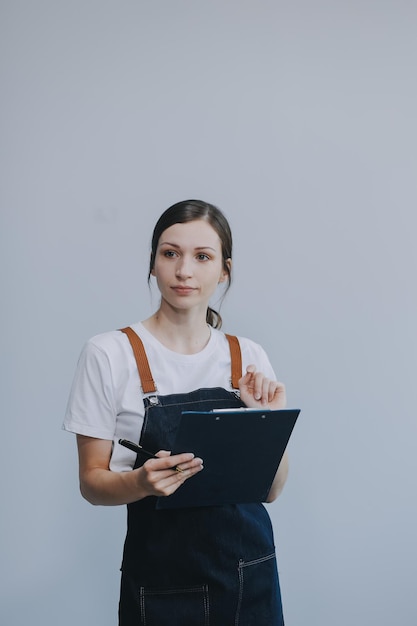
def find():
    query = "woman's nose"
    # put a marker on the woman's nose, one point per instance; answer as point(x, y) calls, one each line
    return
point(183, 269)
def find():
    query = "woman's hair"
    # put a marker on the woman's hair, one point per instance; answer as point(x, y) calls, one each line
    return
point(189, 211)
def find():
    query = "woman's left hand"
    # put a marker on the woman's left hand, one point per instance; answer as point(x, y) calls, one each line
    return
point(258, 391)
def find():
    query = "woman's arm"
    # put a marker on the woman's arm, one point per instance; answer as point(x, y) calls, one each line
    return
point(157, 477)
point(279, 480)
point(258, 391)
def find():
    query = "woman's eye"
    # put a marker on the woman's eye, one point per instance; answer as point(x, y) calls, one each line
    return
point(169, 253)
point(203, 257)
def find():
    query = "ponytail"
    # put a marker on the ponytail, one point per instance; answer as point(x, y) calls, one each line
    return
point(213, 318)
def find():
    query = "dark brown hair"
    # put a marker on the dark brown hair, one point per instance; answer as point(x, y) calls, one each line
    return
point(189, 211)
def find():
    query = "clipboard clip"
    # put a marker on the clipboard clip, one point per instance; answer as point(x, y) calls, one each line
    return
point(243, 409)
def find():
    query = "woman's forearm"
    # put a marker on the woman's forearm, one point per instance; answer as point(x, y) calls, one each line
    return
point(104, 487)
point(279, 480)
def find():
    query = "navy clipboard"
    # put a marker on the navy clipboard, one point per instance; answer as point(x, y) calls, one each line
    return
point(241, 451)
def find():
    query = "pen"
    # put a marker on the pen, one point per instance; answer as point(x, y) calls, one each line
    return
point(139, 450)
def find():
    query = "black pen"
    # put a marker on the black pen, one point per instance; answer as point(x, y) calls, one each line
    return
point(139, 450)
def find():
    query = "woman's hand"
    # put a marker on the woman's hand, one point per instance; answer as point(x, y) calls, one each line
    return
point(258, 391)
point(158, 477)
point(163, 476)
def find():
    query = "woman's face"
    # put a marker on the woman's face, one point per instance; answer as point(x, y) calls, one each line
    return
point(189, 265)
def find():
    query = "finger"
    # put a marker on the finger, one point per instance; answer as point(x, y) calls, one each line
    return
point(166, 482)
point(163, 453)
point(280, 396)
point(165, 460)
point(259, 386)
point(178, 462)
point(272, 391)
point(248, 376)
point(265, 387)
point(164, 467)
point(194, 465)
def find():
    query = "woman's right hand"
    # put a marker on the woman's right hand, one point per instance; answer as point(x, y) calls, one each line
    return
point(162, 476)
point(157, 477)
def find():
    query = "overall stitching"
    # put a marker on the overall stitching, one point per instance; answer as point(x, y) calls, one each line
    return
point(240, 597)
point(255, 561)
point(241, 566)
point(206, 606)
point(142, 605)
point(158, 592)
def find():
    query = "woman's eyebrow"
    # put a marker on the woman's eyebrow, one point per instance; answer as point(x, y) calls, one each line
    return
point(168, 243)
point(175, 245)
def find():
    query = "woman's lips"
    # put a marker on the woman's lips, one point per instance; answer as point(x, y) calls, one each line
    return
point(183, 290)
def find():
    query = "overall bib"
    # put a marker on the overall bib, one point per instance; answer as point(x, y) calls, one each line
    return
point(199, 566)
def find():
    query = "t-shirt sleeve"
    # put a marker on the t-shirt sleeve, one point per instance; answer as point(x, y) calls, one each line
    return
point(91, 407)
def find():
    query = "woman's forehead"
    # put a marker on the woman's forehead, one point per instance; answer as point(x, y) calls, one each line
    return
point(197, 234)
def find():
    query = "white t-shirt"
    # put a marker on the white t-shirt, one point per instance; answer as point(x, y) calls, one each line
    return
point(106, 400)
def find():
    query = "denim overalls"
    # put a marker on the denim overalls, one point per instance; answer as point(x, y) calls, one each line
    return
point(201, 566)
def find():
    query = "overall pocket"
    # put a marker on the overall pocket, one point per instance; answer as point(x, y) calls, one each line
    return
point(259, 593)
point(147, 606)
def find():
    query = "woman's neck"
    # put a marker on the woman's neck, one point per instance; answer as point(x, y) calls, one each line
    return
point(179, 334)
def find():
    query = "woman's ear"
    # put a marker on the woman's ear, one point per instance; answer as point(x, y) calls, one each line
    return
point(226, 273)
point(152, 272)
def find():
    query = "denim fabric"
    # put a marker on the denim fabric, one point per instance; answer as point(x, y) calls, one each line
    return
point(201, 566)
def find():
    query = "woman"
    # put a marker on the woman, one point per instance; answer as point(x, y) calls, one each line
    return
point(194, 566)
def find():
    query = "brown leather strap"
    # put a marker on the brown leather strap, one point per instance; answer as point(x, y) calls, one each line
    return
point(145, 375)
point(148, 383)
point(236, 356)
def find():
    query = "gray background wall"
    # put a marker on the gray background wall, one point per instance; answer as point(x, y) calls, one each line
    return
point(298, 119)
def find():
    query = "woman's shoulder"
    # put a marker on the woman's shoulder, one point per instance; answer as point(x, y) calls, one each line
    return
point(254, 354)
point(111, 342)
point(243, 341)
point(104, 339)
point(248, 346)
